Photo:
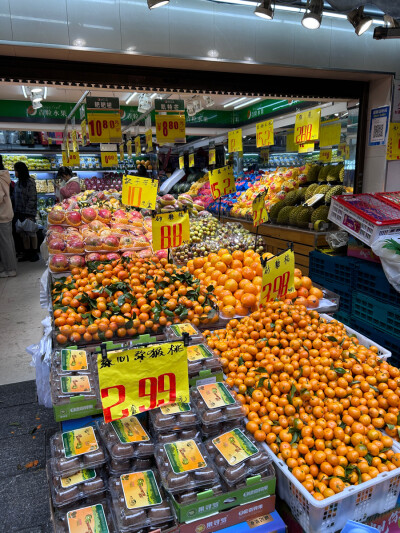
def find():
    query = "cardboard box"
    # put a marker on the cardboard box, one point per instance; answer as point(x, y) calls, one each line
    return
point(356, 248)
point(270, 523)
point(387, 522)
point(230, 518)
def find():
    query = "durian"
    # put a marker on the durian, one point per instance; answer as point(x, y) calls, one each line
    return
point(334, 191)
point(284, 213)
point(321, 213)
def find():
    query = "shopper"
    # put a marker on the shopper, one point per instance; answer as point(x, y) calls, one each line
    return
point(8, 267)
point(142, 171)
point(25, 202)
point(67, 184)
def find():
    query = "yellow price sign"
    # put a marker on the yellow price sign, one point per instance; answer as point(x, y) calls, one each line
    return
point(139, 192)
point(325, 155)
point(393, 145)
point(121, 152)
point(72, 161)
point(265, 133)
point(84, 132)
point(211, 156)
point(307, 125)
point(170, 129)
point(109, 159)
point(235, 141)
point(191, 160)
point(104, 127)
point(305, 148)
point(170, 230)
point(278, 277)
point(129, 148)
point(260, 214)
point(330, 134)
point(149, 140)
point(222, 182)
point(138, 146)
point(181, 161)
point(74, 141)
point(141, 379)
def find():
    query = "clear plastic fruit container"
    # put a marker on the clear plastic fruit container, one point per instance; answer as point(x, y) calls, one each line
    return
point(173, 417)
point(214, 404)
point(86, 483)
point(68, 386)
point(213, 430)
point(237, 456)
point(74, 450)
point(180, 434)
point(190, 496)
point(116, 467)
point(175, 333)
point(201, 357)
point(68, 360)
point(139, 502)
point(185, 465)
point(94, 513)
point(126, 438)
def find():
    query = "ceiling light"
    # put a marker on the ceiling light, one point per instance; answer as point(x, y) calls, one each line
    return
point(36, 90)
point(156, 3)
point(153, 96)
point(359, 21)
point(313, 15)
point(235, 101)
point(265, 10)
point(130, 97)
point(247, 103)
point(213, 53)
point(79, 42)
point(37, 104)
point(36, 99)
point(390, 22)
point(24, 92)
point(45, 93)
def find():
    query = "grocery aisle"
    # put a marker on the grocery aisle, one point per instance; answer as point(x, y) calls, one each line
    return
point(20, 318)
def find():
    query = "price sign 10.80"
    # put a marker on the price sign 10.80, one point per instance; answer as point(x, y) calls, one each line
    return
point(104, 127)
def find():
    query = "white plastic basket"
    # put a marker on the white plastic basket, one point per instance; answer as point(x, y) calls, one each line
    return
point(356, 502)
point(357, 225)
point(383, 353)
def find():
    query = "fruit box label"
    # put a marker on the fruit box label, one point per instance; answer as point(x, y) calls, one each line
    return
point(173, 408)
point(215, 395)
point(129, 429)
point(234, 446)
point(87, 519)
point(197, 352)
point(184, 456)
point(79, 441)
point(179, 329)
point(140, 490)
point(75, 384)
point(83, 475)
point(73, 360)
point(351, 224)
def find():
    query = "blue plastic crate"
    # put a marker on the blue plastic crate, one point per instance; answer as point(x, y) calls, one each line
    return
point(344, 291)
point(342, 317)
point(370, 279)
point(382, 316)
point(387, 341)
point(331, 268)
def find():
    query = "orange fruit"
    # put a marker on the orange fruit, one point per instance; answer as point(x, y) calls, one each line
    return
point(248, 273)
point(312, 301)
point(228, 310)
point(221, 266)
point(229, 300)
point(238, 254)
point(314, 291)
point(231, 285)
point(227, 259)
point(248, 300)
point(306, 282)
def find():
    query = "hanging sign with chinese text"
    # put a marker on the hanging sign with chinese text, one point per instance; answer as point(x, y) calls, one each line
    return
point(139, 192)
point(170, 230)
point(222, 181)
point(278, 277)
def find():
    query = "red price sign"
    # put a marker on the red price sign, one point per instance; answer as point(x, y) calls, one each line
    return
point(222, 182)
point(142, 379)
point(170, 230)
point(104, 127)
point(278, 277)
point(170, 129)
point(307, 126)
point(265, 133)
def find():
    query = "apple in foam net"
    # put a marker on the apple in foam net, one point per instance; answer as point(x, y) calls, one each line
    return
point(56, 216)
point(56, 244)
point(76, 261)
point(93, 256)
point(59, 263)
point(74, 218)
point(104, 214)
point(75, 243)
point(89, 214)
point(112, 256)
point(110, 242)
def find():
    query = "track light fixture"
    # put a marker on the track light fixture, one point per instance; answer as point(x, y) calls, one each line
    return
point(391, 22)
point(152, 4)
point(265, 10)
point(313, 15)
point(359, 20)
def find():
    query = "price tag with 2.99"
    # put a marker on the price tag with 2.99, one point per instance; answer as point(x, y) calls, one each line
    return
point(278, 277)
point(141, 379)
point(222, 182)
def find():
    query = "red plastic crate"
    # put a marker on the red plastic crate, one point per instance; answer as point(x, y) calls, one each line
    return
point(391, 198)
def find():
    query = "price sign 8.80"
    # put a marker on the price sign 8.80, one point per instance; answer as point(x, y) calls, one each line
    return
point(170, 128)
point(170, 230)
point(222, 182)
point(141, 379)
point(307, 126)
point(278, 277)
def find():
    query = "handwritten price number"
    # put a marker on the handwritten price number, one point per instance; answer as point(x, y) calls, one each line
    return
point(228, 185)
point(169, 125)
point(171, 236)
point(135, 196)
point(109, 159)
point(156, 386)
point(232, 145)
point(279, 287)
point(97, 126)
point(304, 133)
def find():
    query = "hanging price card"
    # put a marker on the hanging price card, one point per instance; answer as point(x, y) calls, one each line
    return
point(139, 192)
point(149, 140)
point(72, 161)
point(235, 141)
point(305, 148)
point(265, 133)
point(278, 277)
point(307, 126)
point(109, 159)
point(325, 155)
point(260, 214)
point(141, 379)
point(181, 161)
point(222, 182)
point(211, 156)
point(291, 146)
point(393, 146)
point(191, 160)
point(104, 127)
point(170, 230)
point(84, 132)
point(121, 153)
point(138, 148)
point(170, 129)
point(129, 148)
point(74, 141)
point(330, 135)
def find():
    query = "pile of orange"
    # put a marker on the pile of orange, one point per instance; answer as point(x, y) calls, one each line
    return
point(305, 293)
point(319, 399)
point(127, 298)
point(236, 279)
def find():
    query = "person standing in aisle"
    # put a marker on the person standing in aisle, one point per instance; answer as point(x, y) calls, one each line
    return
point(25, 208)
point(67, 184)
point(8, 259)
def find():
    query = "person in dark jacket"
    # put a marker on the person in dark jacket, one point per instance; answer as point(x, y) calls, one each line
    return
point(25, 207)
